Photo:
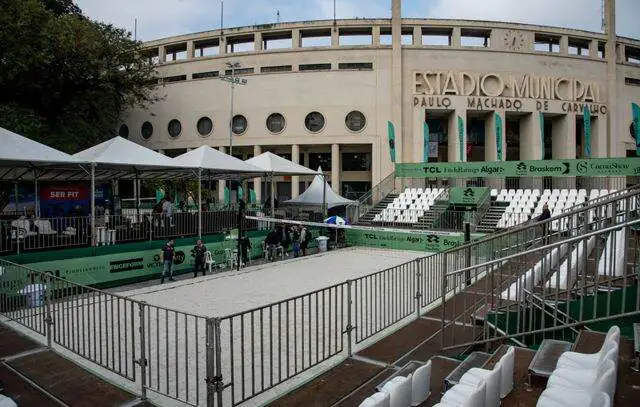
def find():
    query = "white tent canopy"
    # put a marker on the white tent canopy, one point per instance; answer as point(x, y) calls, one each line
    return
point(216, 163)
point(319, 189)
point(19, 155)
point(119, 152)
point(276, 165)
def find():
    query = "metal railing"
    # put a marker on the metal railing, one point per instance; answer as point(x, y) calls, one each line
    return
point(555, 282)
point(157, 349)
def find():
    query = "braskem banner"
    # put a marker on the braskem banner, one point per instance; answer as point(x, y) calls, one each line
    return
point(594, 167)
point(428, 242)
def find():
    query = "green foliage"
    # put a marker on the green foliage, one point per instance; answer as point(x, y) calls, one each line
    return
point(64, 79)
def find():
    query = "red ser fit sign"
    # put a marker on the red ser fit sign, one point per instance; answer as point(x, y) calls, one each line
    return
point(63, 193)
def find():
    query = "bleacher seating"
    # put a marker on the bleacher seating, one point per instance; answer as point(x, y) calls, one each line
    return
point(409, 206)
point(585, 380)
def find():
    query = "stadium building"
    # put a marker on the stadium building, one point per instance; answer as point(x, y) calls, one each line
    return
point(324, 93)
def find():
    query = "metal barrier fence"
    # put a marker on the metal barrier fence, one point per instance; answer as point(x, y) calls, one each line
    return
point(157, 349)
point(22, 235)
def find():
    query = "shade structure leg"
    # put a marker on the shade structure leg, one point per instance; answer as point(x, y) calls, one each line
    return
point(200, 203)
point(93, 204)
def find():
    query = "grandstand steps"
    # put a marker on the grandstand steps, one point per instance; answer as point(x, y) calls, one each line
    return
point(368, 217)
point(489, 221)
point(431, 217)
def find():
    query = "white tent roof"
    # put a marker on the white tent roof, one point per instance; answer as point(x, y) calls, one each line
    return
point(19, 151)
point(120, 152)
point(216, 162)
point(273, 164)
point(313, 195)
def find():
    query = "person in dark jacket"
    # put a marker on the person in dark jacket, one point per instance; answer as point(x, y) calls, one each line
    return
point(167, 260)
point(271, 242)
point(198, 253)
point(546, 214)
point(245, 246)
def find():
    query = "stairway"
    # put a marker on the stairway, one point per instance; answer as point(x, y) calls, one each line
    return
point(368, 217)
point(490, 220)
point(431, 216)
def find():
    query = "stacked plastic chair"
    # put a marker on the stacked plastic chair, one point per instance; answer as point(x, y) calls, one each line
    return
point(498, 382)
point(401, 391)
point(581, 379)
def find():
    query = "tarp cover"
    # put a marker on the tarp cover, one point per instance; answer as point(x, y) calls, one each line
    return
point(313, 195)
point(276, 165)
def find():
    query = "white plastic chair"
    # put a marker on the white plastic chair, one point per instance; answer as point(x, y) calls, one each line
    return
point(465, 395)
point(208, 261)
point(399, 389)
point(379, 399)
point(420, 384)
point(491, 378)
point(590, 360)
point(603, 378)
point(548, 398)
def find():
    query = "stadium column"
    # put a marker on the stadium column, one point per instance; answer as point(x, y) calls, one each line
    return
point(295, 38)
point(531, 146)
point(221, 183)
point(375, 36)
point(190, 50)
point(257, 41)
point(257, 182)
point(396, 78)
point(491, 144)
point(614, 144)
point(335, 168)
point(162, 54)
point(295, 180)
point(456, 151)
point(563, 145)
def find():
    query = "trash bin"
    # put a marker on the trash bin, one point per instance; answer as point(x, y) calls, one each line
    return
point(34, 294)
point(322, 243)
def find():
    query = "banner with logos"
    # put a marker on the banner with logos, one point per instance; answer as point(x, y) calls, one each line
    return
point(594, 167)
point(467, 196)
point(587, 132)
point(541, 123)
point(422, 242)
point(461, 138)
point(635, 110)
point(425, 141)
point(392, 141)
point(499, 135)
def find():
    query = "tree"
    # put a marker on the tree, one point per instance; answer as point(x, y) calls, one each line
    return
point(64, 79)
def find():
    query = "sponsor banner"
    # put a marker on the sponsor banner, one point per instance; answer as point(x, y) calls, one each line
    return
point(120, 266)
point(587, 132)
point(392, 141)
point(425, 141)
point(467, 196)
point(461, 138)
point(595, 167)
point(498, 120)
point(635, 111)
point(422, 242)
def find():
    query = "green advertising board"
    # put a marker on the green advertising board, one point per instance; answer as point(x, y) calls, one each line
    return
point(422, 242)
point(467, 196)
point(594, 167)
point(118, 268)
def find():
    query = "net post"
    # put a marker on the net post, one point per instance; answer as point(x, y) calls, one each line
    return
point(444, 293)
point(349, 328)
point(418, 295)
point(48, 320)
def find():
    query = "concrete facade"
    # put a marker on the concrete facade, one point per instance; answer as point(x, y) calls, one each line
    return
point(405, 71)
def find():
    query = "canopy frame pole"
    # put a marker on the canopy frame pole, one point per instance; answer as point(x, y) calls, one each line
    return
point(93, 205)
point(136, 189)
point(15, 196)
point(200, 203)
point(324, 196)
point(35, 195)
point(273, 194)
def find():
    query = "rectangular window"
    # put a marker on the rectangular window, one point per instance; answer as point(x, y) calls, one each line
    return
point(355, 36)
point(239, 71)
point(356, 161)
point(176, 52)
point(243, 43)
point(314, 67)
point(547, 43)
point(320, 160)
point(355, 189)
point(437, 36)
point(276, 68)
point(578, 47)
point(206, 48)
point(279, 40)
point(385, 36)
point(632, 81)
point(632, 55)
point(475, 38)
point(360, 66)
point(203, 75)
point(601, 50)
point(176, 78)
point(315, 38)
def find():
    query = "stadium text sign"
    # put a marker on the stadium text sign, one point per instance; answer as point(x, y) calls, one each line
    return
point(595, 167)
point(433, 243)
point(491, 90)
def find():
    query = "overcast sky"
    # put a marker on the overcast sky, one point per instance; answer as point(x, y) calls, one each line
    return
point(164, 18)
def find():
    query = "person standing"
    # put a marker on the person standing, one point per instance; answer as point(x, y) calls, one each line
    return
point(198, 253)
point(546, 214)
point(245, 247)
point(167, 260)
point(167, 211)
point(295, 240)
point(305, 238)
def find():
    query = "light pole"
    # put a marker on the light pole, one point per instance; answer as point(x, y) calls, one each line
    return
point(233, 81)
